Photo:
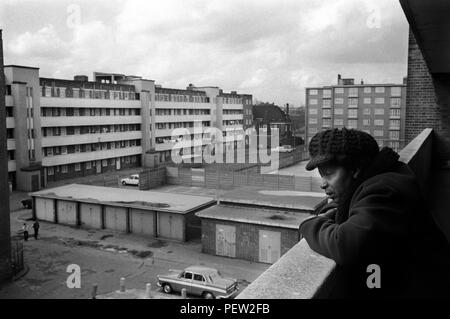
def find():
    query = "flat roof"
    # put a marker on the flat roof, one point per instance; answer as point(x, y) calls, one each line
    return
point(254, 216)
point(20, 66)
point(281, 199)
point(147, 200)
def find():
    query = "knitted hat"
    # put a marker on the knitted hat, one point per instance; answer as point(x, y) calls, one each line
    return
point(341, 144)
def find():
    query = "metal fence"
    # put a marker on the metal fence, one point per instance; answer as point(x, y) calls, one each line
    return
point(17, 262)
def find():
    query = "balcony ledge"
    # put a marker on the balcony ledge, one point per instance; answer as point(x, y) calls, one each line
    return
point(301, 273)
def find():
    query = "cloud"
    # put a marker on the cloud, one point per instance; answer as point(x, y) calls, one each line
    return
point(43, 43)
point(271, 49)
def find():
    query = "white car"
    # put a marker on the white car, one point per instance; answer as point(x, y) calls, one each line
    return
point(287, 148)
point(283, 149)
point(132, 180)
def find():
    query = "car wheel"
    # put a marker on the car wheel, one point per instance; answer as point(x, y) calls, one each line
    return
point(167, 289)
point(208, 295)
point(124, 183)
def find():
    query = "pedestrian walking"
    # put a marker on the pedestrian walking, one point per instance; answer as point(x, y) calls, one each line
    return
point(25, 231)
point(36, 228)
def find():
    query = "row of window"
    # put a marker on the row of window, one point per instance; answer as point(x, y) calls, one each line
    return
point(354, 112)
point(232, 122)
point(393, 124)
point(181, 98)
point(354, 91)
point(70, 111)
point(92, 147)
point(182, 111)
point(168, 139)
point(366, 122)
point(232, 100)
point(48, 91)
point(230, 112)
point(92, 129)
point(174, 125)
point(353, 102)
point(64, 169)
point(393, 135)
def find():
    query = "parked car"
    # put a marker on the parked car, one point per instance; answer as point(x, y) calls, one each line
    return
point(284, 149)
point(199, 280)
point(27, 203)
point(131, 180)
point(287, 148)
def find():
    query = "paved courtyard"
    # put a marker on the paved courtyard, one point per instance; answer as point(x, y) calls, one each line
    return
point(104, 257)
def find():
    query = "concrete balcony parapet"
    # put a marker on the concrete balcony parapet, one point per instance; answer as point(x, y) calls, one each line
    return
point(301, 273)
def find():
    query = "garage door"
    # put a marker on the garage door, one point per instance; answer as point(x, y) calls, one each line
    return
point(67, 212)
point(45, 209)
point(142, 222)
point(91, 215)
point(116, 218)
point(170, 226)
point(226, 240)
point(269, 246)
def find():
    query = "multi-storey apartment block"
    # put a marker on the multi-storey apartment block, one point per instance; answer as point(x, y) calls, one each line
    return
point(59, 129)
point(378, 109)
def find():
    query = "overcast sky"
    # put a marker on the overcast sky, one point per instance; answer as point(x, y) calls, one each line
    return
point(271, 49)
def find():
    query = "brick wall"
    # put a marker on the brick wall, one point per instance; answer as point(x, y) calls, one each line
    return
point(427, 102)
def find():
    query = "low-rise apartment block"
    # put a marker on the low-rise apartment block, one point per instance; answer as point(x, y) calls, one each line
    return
point(59, 129)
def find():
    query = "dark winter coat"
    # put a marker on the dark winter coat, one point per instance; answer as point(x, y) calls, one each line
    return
point(383, 220)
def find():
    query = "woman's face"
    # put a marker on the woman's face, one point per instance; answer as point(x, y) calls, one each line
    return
point(336, 180)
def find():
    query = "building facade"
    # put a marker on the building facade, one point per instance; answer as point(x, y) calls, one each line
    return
point(5, 228)
point(59, 129)
point(378, 109)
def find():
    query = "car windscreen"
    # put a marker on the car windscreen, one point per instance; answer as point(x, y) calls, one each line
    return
point(187, 275)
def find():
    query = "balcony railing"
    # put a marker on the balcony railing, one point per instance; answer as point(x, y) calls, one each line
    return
point(302, 273)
